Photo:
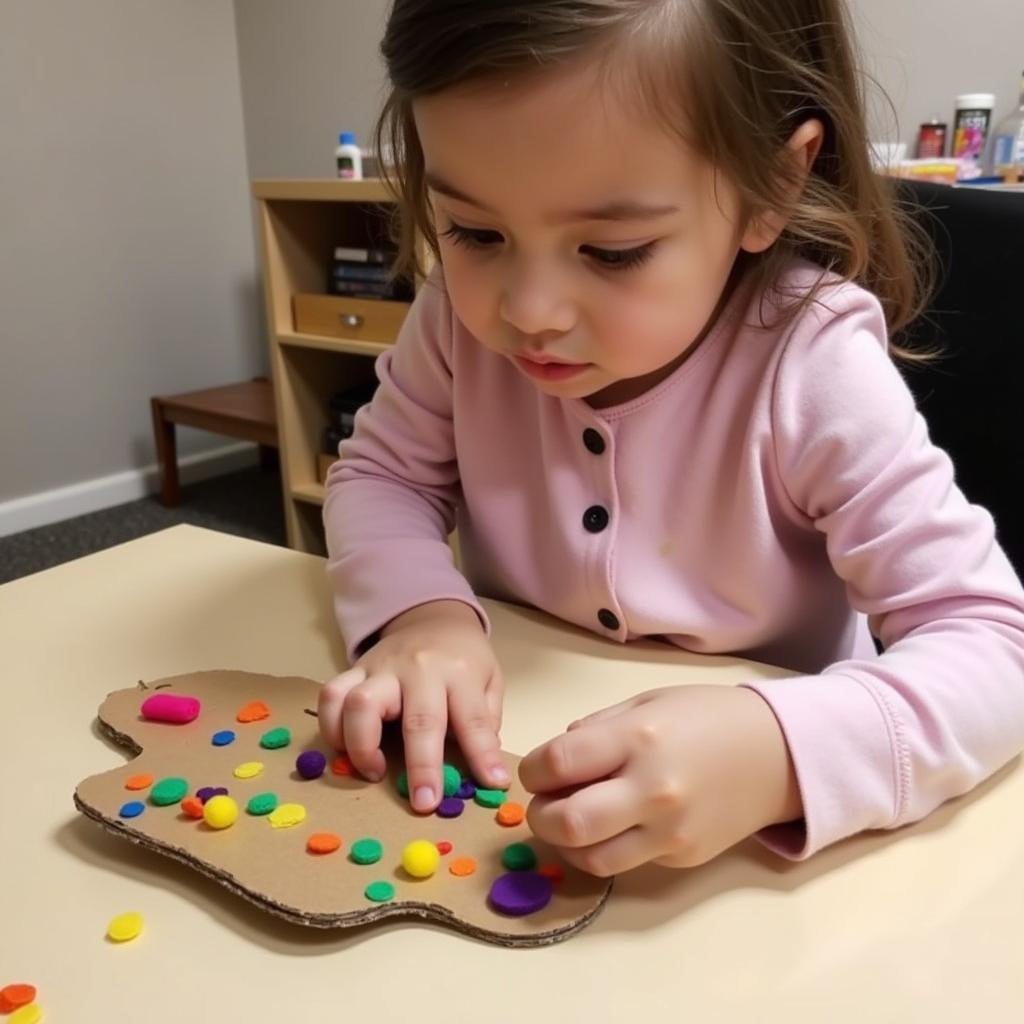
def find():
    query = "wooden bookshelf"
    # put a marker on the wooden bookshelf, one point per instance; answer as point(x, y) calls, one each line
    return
point(301, 222)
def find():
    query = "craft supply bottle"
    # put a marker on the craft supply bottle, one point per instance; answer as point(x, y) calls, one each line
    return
point(349, 157)
point(971, 126)
point(931, 139)
point(1006, 152)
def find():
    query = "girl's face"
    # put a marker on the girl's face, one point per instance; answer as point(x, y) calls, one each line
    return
point(578, 239)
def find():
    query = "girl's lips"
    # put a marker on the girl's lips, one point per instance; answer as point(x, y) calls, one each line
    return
point(549, 371)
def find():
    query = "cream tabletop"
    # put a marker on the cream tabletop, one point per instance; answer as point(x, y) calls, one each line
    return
point(923, 924)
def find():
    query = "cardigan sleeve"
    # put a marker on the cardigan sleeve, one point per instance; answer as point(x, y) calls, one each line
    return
point(878, 743)
point(391, 498)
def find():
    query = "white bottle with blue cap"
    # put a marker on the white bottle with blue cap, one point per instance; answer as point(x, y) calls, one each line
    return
point(349, 157)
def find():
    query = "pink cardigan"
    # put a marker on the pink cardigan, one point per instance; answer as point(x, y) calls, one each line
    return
point(773, 496)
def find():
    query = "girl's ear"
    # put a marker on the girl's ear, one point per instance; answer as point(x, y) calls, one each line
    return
point(803, 147)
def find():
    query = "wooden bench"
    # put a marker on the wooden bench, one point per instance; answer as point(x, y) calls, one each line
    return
point(243, 410)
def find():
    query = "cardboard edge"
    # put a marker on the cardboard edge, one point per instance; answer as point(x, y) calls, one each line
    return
point(406, 908)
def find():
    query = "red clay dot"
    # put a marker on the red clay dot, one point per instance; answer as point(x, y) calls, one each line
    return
point(444, 847)
point(192, 806)
point(341, 765)
point(14, 996)
point(552, 871)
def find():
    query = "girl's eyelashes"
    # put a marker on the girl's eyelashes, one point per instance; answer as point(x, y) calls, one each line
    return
point(471, 237)
point(609, 259)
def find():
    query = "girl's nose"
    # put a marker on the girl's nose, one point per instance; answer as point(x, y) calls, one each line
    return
point(534, 304)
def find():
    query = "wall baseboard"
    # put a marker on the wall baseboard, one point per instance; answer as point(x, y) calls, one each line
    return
point(118, 488)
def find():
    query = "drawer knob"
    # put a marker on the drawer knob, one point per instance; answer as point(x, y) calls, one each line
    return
point(352, 319)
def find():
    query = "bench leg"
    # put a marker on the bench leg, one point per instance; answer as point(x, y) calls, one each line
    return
point(166, 454)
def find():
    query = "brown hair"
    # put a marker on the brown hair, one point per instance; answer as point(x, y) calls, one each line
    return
point(772, 65)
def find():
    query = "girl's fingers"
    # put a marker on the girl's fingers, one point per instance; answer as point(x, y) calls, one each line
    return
point(615, 709)
point(330, 702)
point(424, 723)
point(366, 707)
point(589, 816)
point(472, 722)
point(494, 695)
point(623, 852)
point(591, 752)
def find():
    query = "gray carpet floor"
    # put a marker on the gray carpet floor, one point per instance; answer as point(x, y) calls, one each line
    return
point(247, 503)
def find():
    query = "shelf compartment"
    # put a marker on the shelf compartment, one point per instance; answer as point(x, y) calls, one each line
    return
point(339, 316)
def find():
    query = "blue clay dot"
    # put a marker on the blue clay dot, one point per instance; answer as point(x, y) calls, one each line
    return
point(132, 809)
point(223, 738)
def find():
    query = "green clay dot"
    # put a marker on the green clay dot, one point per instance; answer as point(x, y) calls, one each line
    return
point(519, 857)
point(366, 851)
point(262, 803)
point(490, 797)
point(452, 780)
point(380, 892)
point(276, 738)
point(168, 791)
point(403, 784)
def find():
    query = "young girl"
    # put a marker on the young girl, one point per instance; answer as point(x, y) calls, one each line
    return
point(648, 380)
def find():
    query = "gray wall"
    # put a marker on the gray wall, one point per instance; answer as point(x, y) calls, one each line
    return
point(927, 54)
point(310, 69)
point(129, 130)
point(127, 263)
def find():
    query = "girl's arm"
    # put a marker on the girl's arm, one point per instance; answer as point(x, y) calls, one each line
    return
point(391, 498)
point(880, 743)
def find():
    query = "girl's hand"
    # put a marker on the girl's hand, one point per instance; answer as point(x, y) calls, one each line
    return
point(433, 667)
point(673, 776)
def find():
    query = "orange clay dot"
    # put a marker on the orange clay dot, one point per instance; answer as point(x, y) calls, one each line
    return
point(323, 842)
point(139, 782)
point(254, 711)
point(341, 765)
point(510, 813)
point(444, 847)
point(462, 866)
point(192, 806)
point(552, 871)
point(13, 996)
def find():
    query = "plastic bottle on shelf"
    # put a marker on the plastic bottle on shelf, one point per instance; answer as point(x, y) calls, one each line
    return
point(1006, 151)
point(349, 157)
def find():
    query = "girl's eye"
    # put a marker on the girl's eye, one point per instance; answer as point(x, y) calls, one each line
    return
point(474, 238)
point(620, 259)
point(608, 259)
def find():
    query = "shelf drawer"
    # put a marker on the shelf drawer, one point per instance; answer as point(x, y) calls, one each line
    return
point(340, 317)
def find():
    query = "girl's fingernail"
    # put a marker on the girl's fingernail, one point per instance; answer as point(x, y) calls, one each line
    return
point(499, 774)
point(423, 798)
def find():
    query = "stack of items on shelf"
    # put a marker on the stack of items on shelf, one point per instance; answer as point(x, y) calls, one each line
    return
point(367, 274)
point(342, 409)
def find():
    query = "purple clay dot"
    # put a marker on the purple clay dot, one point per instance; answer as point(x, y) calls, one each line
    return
point(450, 807)
point(310, 764)
point(208, 792)
point(466, 791)
point(520, 893)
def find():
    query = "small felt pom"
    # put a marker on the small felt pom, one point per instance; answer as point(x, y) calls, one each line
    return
point(170, 707)
point(520, 893)
point(310, 764)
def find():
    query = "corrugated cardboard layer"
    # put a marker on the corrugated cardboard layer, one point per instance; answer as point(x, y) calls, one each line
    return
point(271, 867)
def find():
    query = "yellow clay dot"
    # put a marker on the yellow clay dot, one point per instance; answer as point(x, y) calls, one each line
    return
point(124, 927)
point(249, 770)
point(420, 858)
point(287, 815)
point(220, 811)
point(27, 1014)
